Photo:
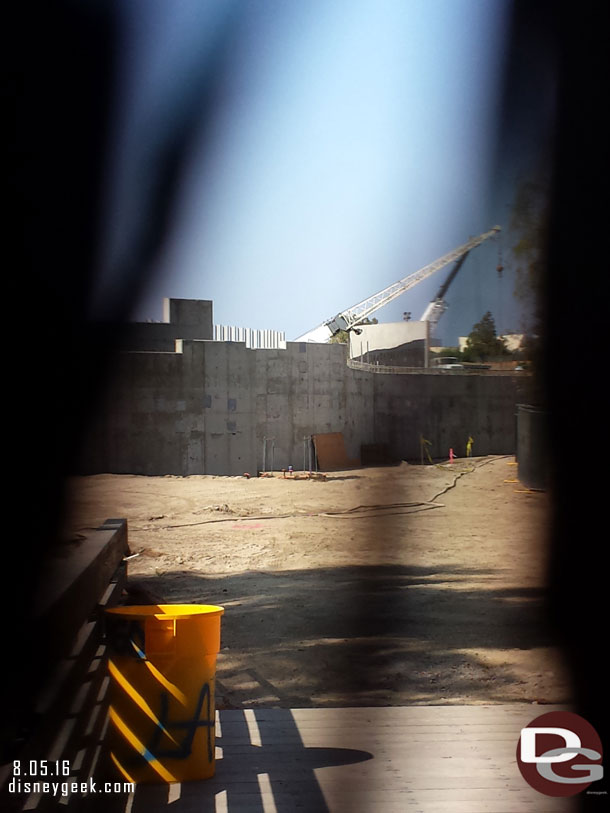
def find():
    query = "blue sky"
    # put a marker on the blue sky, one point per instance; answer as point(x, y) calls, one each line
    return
point(354, 144)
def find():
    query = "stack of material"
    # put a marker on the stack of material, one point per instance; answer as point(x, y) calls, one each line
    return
point(331, 452)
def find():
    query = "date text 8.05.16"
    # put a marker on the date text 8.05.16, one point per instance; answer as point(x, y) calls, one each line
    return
point(41, 767)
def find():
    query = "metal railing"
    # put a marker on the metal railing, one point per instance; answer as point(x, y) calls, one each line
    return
point(385, 369)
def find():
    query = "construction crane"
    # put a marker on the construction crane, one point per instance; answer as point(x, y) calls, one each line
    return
point(438, 306)
point(354, 316)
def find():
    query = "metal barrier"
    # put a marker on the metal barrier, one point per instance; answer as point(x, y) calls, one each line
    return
point(387, 370)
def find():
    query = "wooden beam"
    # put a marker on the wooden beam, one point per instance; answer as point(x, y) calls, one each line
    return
point(74, 585)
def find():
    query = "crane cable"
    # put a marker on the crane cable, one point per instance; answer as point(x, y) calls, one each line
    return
point(500, 269)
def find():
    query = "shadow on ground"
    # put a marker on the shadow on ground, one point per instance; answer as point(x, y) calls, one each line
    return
point(353, 636)
point(276, 774)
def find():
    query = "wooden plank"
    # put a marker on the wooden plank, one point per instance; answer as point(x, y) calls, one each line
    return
point(373, 733)
point(282, 796)
point(74, 743)
point(423, 762)
point(73, 586)
point(331, 452)
point(502, 712)
point(329, 721)
point(420, 773)
point(332, 718)
point(113, 594)
point(91, 717)
point(306, 798)
point(423, 759)
point(53, 707)
point(71, 707)
point(380, 750)
point(69, 672)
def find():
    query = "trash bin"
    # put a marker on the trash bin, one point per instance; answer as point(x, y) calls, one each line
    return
point(532, 447)
point(162, 665)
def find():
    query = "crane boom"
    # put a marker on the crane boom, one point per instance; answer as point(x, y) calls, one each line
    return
point(438, 306)
point(353, 316)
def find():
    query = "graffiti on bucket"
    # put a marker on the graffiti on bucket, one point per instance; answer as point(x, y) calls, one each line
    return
point(184, 749)
point(127, 639)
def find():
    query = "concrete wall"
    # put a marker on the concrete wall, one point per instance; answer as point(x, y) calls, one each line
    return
point(152, 421)
point(193, 314)
point(208, 409)
point(182, 319)
point(229, 407)
point(446, 409)
point(306, 390)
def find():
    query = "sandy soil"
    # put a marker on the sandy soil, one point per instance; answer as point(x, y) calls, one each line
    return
point(378, 586)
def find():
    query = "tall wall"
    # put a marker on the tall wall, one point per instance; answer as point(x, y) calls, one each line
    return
point(229, 407)
point(193, 316)
point(446, 409)
point(308, 389)
point(182, 319)
point(208, 409)
point(152, 419)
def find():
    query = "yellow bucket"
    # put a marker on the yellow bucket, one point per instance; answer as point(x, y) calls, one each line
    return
point(162, 665)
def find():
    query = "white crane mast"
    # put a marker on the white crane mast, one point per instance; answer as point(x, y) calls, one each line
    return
point(353, 316)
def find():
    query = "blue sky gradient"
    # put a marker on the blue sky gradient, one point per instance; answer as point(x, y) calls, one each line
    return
point(354, 144)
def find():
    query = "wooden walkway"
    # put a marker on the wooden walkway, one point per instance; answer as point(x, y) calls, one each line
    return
point(416, 759)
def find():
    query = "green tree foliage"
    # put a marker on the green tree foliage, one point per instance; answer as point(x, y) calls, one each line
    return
point(483, 344)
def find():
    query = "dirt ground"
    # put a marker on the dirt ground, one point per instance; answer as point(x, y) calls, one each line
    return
point(394, 585)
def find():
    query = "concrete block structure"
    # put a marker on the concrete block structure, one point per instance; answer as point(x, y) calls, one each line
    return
point(206, 407)
point(386, 336)
point(182, 319)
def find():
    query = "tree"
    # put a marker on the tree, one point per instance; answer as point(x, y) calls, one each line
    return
point(483, 343)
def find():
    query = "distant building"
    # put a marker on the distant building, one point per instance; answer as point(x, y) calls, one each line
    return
point(186, 319)
point(192, 319)
point(399, 344)
point(254, 339)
